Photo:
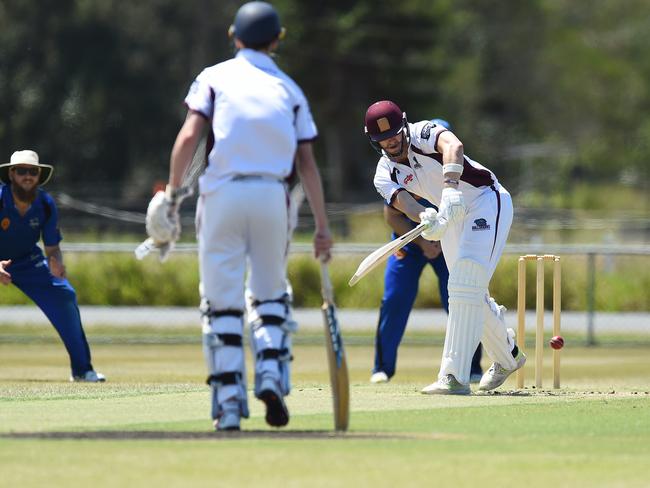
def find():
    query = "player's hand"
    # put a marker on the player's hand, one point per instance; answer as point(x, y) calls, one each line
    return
point(430, 249)
point(452, 205)
point(57, 268)
point(323, 245)
point(163, 222)
point(436, 224)
point(5, 277)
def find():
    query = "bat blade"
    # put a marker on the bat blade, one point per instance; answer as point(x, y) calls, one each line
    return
point(378, 256)
point(338, 367)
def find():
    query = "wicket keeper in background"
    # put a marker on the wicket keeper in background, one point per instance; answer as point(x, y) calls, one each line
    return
point(27, 214)
point(472, 224)
point(401, 282)
point(260, 123)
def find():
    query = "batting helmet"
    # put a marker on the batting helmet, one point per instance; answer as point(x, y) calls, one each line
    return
point(256, 24)
point(384, 120)
point(443, 123)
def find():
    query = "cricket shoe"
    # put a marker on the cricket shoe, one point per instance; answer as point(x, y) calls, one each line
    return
point(230, 419)
point(497, 374)
point(379, 377)
point(447, 385)
point(89, 377)
point(277, 414)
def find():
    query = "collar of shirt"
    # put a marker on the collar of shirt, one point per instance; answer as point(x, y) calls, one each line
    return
point(259, 59)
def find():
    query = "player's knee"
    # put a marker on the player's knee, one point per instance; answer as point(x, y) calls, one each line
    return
point(468, 281)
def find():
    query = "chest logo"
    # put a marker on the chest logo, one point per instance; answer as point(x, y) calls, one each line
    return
point(408, 179)
point(481, 224)
point(5, 223)
point(34, 223)
point(417, 164)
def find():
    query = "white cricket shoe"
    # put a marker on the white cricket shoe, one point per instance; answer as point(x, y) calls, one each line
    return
point(379, 377)
point(89, 377)
point(497, 374)
point(447, 385)
point(230, 418)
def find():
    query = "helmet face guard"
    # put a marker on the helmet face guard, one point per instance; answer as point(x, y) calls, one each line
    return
point(384, 120)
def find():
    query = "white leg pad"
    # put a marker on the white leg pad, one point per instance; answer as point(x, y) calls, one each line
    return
point(271, 329)
point(497, 339)
point(224, 355)
point(467, 286)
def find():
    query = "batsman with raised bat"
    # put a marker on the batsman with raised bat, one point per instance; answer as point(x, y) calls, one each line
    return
point(472, 224)
point(260, 125)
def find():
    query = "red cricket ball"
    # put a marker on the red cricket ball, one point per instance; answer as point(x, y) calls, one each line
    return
point(556, 342)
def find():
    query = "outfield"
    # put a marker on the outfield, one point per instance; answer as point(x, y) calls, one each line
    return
point(149, 425)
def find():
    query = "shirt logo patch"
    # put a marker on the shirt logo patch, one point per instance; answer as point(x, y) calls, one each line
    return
point(425, 133)
point(417, 164)
point(481, 224)
point(5, 223)
point(34, 223)
point(408, 179)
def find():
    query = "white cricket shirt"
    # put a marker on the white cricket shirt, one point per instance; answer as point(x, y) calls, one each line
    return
point(258, 116)
point(423, 173)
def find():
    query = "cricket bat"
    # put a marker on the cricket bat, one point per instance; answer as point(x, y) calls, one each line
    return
point(338, 366)
point(380, 255)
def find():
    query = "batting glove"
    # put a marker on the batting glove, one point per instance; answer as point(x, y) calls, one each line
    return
point(163, 222)
point(436, 225)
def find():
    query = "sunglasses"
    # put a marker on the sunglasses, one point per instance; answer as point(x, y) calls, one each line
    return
point(23, 171)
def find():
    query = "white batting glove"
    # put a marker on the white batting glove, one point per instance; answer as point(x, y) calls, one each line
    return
point(452, 205)
point(436, 225)
point(163, 222)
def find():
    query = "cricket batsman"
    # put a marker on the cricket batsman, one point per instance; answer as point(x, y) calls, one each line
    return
point(475, 213)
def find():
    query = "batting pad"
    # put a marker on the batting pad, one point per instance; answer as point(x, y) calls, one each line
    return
point(467, 286)
point(496, 340)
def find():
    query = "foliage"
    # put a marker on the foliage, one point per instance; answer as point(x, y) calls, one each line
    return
point(531, 87)
point(119, 279)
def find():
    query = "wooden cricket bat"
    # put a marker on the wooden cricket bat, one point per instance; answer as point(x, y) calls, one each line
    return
point(338, 366)
point(380, 255)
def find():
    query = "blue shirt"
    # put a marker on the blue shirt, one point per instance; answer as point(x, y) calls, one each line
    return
point(19, 235)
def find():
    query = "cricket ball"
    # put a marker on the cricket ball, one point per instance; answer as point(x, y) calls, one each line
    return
point(556, 342)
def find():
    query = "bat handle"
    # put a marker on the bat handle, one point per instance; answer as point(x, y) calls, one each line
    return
point(326, 282)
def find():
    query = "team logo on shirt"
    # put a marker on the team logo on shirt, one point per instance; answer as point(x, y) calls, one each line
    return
point(425, 133)
point(5, 223)
point(34, 223)
point(481, 224)
point(408, 179)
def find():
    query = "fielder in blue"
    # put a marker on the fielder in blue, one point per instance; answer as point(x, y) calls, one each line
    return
point(27, 214)
point(401, 282)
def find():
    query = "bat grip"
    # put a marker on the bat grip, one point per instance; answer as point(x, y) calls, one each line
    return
point(326, 282)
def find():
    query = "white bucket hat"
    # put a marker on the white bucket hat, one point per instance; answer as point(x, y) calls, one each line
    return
point(28, 158)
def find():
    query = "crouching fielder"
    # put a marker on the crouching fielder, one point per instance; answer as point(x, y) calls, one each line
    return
point(260, 123)
point(474, 218)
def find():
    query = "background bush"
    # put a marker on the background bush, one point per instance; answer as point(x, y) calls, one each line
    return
point(622, 283)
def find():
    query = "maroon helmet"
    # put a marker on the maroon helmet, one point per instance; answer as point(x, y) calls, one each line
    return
point(384, 120)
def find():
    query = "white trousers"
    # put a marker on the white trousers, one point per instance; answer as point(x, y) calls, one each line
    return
point(480, 240)
point(243, 224)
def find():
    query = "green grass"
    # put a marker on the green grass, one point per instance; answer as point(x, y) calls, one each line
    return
point(149, 425)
